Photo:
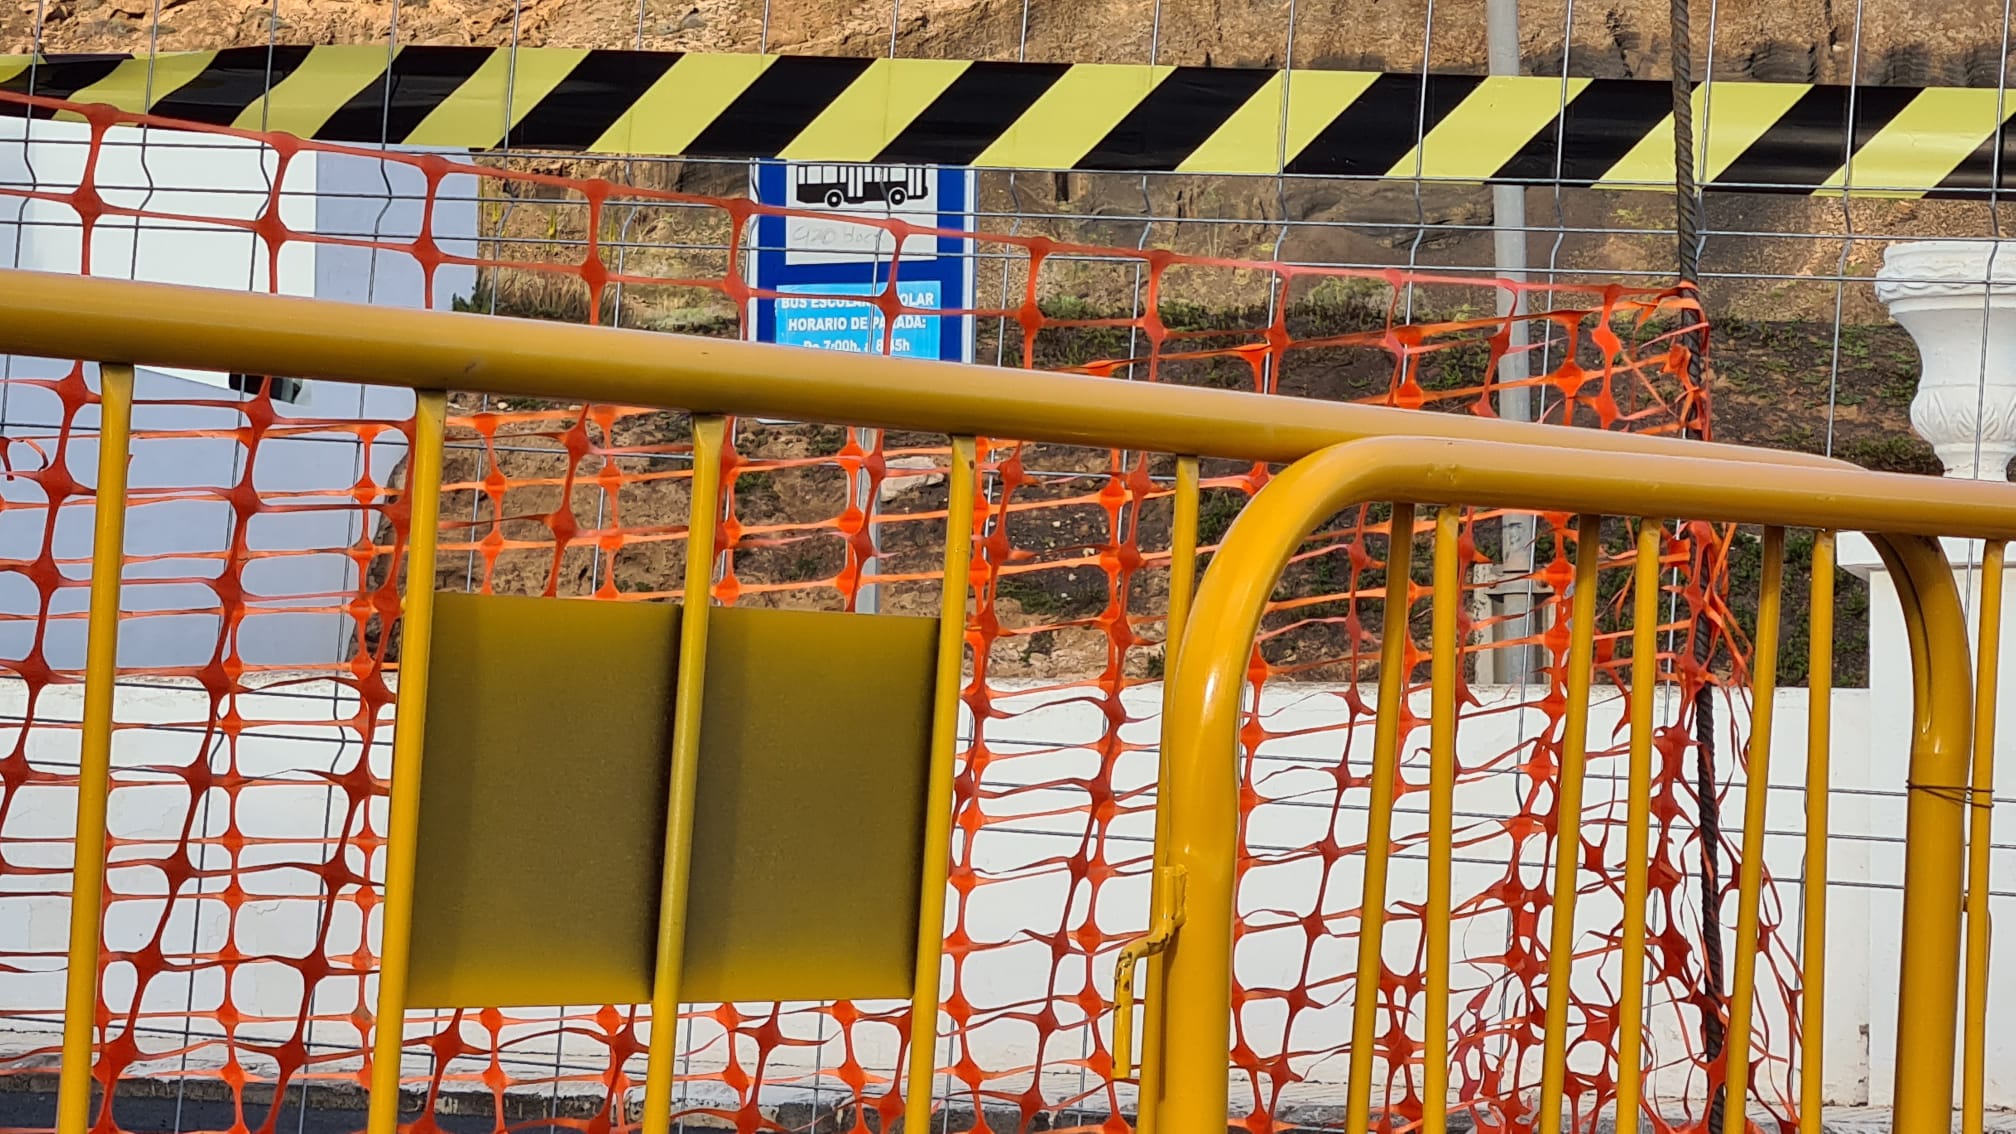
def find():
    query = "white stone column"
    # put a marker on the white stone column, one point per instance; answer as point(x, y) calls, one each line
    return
point(1958, 301)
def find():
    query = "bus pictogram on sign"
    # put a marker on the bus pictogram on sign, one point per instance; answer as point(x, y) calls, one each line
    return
point(838, 185)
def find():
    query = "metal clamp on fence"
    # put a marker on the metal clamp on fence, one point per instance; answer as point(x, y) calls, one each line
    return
point(1167, 919)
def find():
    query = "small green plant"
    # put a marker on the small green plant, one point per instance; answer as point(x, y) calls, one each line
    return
point(1180, 315)
point(827, 440)
point(1457, 368)
point(1800, 437)
point(1215, 513)
point(1892, 453)
point(1029, 594)
point(1348, 293)
point(756, 493)
point(1066, 307)
point(1900, 385)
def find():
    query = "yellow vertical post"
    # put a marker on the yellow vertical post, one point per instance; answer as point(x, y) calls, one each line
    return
point(1935, 836)
point(1568, 820)
point(709, 436)
point(1444, 659)
point(94, 747)
point(409, 730)
point(1638, 824)
point(1182, 584)
point(1182, 558)
point(938, 795)
point(1756, 801)
point(1819, 750)
point(1974, 1027)
point(1379, 817)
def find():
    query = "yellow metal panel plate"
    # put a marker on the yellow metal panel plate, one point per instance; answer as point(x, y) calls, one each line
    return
point(542, 806)
point(809, 824)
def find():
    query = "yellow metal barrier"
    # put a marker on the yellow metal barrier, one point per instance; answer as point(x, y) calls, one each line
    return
point(1205, 690)
point(1343, 455)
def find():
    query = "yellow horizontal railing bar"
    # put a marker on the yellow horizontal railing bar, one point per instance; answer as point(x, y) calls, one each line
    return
point(1205, 686)
point(1487, 474)
point(65, 316)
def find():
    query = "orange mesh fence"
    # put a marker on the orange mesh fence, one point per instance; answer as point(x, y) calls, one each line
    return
point(260, 660)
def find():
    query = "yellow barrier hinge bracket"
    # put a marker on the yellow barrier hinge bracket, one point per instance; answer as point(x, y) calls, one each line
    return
point(1165, 919)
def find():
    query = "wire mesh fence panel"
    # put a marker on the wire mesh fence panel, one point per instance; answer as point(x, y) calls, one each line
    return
point(260, 651)
point(261, 660)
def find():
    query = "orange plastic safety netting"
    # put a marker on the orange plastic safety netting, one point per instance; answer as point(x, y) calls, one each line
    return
point(259, 660)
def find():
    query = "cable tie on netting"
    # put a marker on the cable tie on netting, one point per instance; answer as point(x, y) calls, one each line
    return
point(1980, 798)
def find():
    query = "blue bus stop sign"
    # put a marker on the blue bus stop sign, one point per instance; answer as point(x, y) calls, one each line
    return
point(826, 259)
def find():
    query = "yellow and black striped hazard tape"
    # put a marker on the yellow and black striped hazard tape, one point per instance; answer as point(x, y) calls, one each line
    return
point(1609, 133)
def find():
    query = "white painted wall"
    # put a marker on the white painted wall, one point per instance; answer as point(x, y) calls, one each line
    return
point(188, 185)
point(1046, 738)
